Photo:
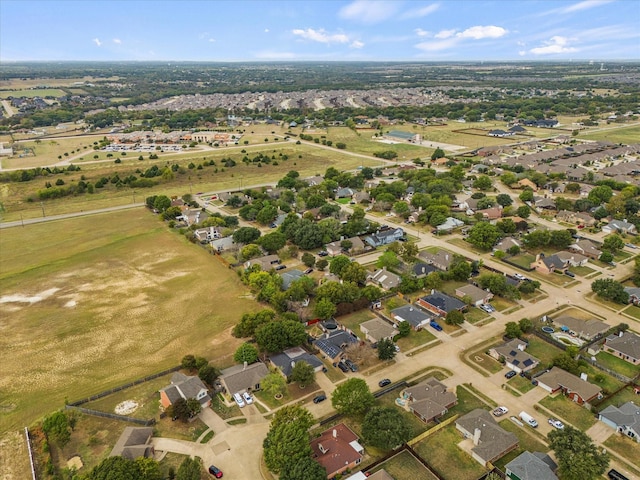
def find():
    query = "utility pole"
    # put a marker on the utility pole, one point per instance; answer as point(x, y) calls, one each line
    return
point(42, 206)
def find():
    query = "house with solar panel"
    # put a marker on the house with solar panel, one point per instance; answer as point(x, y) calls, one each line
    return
point(514, 356)
point(333, 343)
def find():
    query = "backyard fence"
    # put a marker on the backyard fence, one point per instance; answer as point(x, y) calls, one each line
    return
point(123, 387)
point(114, 416)
point(613, 373)
point(33, 465)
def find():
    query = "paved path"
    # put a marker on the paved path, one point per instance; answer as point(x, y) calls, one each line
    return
point(52, 218)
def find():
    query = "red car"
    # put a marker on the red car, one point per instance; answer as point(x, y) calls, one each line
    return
point(215, 471)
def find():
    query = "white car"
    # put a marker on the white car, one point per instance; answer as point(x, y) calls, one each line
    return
point(556, 423)
point(519, 276)
point(247, 398)
point(498, 412)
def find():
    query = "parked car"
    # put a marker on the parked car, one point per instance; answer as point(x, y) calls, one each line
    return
point(281, 267)
point(510, 374)
point(323, 253)
point(308, 271)
point(498, 412)
point(630, 245)
point(435, 325)
point(342, 366)
point(319, 398)
point(239, 400)
point(556, 423)
point(570, 274)
point(247, 398)
point(384, 382)
point(352, 366)
point(215, 471)
point(519, 276)
point(613, 474)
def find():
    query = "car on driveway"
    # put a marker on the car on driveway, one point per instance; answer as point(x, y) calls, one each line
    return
point(215, 471)
point(280, 267)
point(556, 423)
point(510, 374)
point(323, 253)
point(352, 366)
point(342, 366)
point(498, 412)
point(384, 382)
point(319, 398)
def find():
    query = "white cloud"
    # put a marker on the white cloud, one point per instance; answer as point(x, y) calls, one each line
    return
point(479, 32)
point(445, 33)
point(522, 53)
point(356, 44)
point(437, 46)
point(555, 45)
point(422, 33)
point(97, 42)
point(420, 12)
point(212, 40)
point(584, 5)
point(367, 11)
point(266, 30)
point(321, 36)
point(117, 41)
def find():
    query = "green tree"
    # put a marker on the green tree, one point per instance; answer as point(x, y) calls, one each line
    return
point(246, 235)
point(385, 428)
point(308, 259)
point(272, 242)
point(208, 374)
point(578, 457)
point(404, 329)
point(483, 182)
point(322, 264)
point(483, 235)
point(250, 251)
point(324, 309)
point(606, 257)
point(388, 259)
point(276, 336)
point(512, 330)
point(274, 384)
point(355, 273)
point(437, 153)
point(338, 263)
point(115, 468)
point(188, 362)
point(190, 469)
point(303, 373)
point(454, 317)
point(401, 208)
point(184, 409)
point(246, 353)
point(57, 427)
point(304, 468)
point(613, 243)
point(504, 199)
point(525, 324)
point(523, 211)
point(610, 289)
point(161, 203)
point(386, 349)
point(352, 397)
point(251, 321)
point(526, 195)
point(149, 469)
point(600, 194)
point(287, 441)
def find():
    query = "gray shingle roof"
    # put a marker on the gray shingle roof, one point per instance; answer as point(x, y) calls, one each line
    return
point(628, 344)
point(528, 466)
point(494, 441)
point(410, 314)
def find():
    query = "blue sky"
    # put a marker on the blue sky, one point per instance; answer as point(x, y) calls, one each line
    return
point(329, 30)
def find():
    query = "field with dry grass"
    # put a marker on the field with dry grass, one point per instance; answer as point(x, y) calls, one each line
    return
point(93, 302)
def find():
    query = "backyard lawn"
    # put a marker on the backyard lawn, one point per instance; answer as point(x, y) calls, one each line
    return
point(578, 416)
point(353, 321)
point(467, 402)
point(441, 451)
point(543, 351)
point(415, 339)
point(405, 466)
point(625, 447)
point(623, 396)
point(617, 364)
point(523, 385)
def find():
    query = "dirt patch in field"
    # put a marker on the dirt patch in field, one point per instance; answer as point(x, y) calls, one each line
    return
point(75, 462)
point(14, 457)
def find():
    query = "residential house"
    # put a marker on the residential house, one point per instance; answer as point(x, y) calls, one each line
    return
point(335, 248)
point(579, 218)
point(337, 450)
point(184, 387)
point(492, 213)
point(377, 329)
point(421, 270)
point(625, 419)
point(315, 180)
point(222, 244)
point(500, 133)
point(440, 303)
point(429, 399)
point(449, 225)
point(625, 345)
point(550, 264)
point(384, 278)
point(379, 475)
point(208, 234)
point(333, 343)
point(526, 183)
point(361, 197)
point(506, 243)
point(290, 276)
point(477, 295)
point(531, 466)
point(517, 129)
point(134, 442)
point(266, 262)
point(514, 356)
point(544, 203)
point(489, 440)
point(441, 259)
point(286, 360)
point(345, 192)
point(634, 294)
point(586, 329)
point(572, 259)
point(620, 226)
point(243, 378)
point(414, 316)
point(587, 248)
point(384, 237)
point(577, 389)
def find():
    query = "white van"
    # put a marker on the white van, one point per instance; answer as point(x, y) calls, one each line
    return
point(528, 419)
point(238, 398)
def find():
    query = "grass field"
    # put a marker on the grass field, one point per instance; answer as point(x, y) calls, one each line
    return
point(578, 416)
point(405, 466)
point(625, 447)
point(616, 134)
point(40, 92)
point(617, 364)
point(97, 301)
point(543, 351)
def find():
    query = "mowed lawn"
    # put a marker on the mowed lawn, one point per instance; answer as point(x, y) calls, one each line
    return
point(106, 299)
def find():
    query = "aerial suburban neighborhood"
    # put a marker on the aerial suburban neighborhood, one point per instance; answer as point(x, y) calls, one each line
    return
point(296, 270)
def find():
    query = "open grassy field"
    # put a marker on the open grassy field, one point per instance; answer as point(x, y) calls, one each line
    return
point(617, 134)
point(40, 92)
point(94, 302)
point(305, 159)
